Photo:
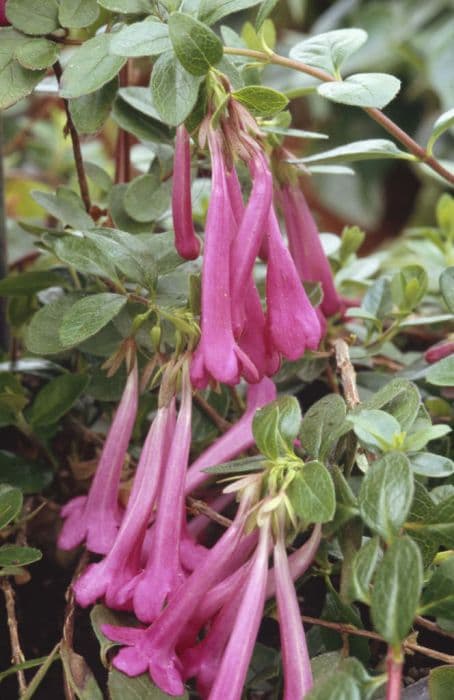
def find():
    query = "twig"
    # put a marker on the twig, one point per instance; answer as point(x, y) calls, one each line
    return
point(350, 629)
point(221, 423)
point(432, 627)
point(68, 625)
point(81, 175)
point(200, 507)
point(347, 372)
point(377, 115)
point(16, 651)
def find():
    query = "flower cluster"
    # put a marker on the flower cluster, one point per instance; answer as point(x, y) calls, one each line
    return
point(239, 338)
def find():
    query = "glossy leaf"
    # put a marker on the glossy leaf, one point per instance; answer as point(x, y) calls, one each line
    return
point(396, 591)
point(328, 51)
point(312, 494)
point(10, 504)
point(386, 494)
point(261, 101)
point(197, 47)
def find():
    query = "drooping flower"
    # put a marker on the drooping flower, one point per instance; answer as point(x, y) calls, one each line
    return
point(95, 518)
point(295, 657)
point(3, 20)
point(292, 321)
point(439, 351)
point(218, 355)
point(186, 241)
point(306, 247)
point(112, 577)
point(163, 572)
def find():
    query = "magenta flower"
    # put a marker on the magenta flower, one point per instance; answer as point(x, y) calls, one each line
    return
point(154, 648)
point(114, 576)
point(218, 356)
point(295, 657)
point(439, 351)
point(95, 518)
point(237, 439)
point(306, 248)
point(3, 21)
point(163, 572)
point(186, 241)
point(292, 321)
point(229, 681)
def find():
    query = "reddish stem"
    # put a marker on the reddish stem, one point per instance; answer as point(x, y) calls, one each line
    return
point(394, 663)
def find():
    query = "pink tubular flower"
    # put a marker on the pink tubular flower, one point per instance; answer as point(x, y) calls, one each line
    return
point(439, 351)
point(237, 439)
point(306, 248)
point(112, 576)
point(218, 356)
point(229, 682)
point(3, 20)
point(295, 657)
point(95, 518)
point(186, 241)
point(292, 321)
point(163, 572)
point(154, 648)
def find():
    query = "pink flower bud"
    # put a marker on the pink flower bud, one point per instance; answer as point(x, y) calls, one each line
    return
point(186, 241)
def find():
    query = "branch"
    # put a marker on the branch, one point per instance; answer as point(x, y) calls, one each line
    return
point(377, 115)
point(16, 651)
point(347, 372)
point(221, 423)
point(202, 508)
point(81, 175)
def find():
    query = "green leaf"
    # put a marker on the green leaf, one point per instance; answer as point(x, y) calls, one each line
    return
point(276, 425)
point(396, 591)
point(147, 198)
point(400, 398)
point(265, 10)
point(238, 466)
point(28, 476)
point(174, 90)
point(15, 80)
point(12, 555)
point(56, 398)
point(447, 287)
point(375, 428)
point(386, 494)
point(88, 316)
point(444, 122)
point(78, 674)
point(99, 176)
point(100, 615)
point(10, 504)
point(76, 14)
point(65, 205)
point(33, 16)
point(137, 7)
point(85, 255)
point(438, 596)
point(339, 686)
point(293, 133)
point(312, 493)
point(121, 687)
point(118, 212)
point(42, 334)
point(431, 465)
point(211, 11)
point(89, 112)
point(328, 51)
point(362, 90)
point(408, 287)
point(132, 117)
point(196, 46)
point(442, 373)
point(90, 67)
point(37, 54)
point(417, 439)
point(147, 38)
point(377, 300)
point(369, 149)
point(130, 254)
point(440, 524)
point(322, 425)
point(27, 283)
point(363, 568)
point(441, 683)
point(261, 101)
